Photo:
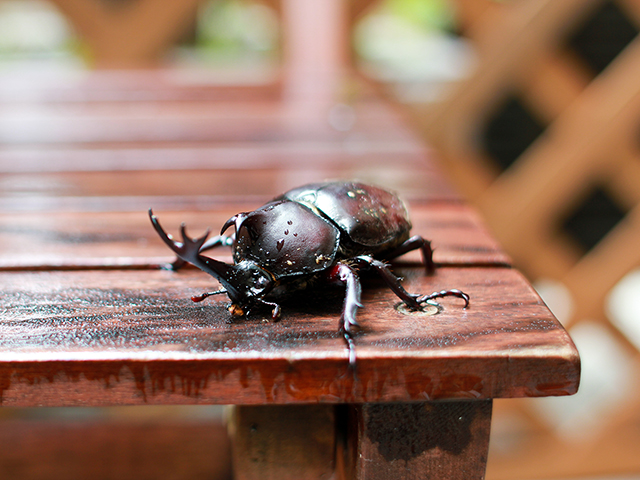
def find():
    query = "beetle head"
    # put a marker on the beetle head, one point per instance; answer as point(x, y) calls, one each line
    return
point(245, 282)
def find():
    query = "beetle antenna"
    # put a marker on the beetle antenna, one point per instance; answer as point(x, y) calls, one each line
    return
point(199, 298)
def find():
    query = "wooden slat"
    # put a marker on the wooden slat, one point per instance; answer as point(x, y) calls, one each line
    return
point(203, 156)
point(610, 453)
point(113, 35)
point(195, 121)
point(452, 127)
point(71, 240)
point(133, 86)
point(103, 337)
point(43, 191)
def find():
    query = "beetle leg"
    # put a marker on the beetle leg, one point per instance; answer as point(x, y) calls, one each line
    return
point(412, 300)
point(414, 243)
point(446, 293)
point(275, 313)
point(347, 276)
point(390, 279)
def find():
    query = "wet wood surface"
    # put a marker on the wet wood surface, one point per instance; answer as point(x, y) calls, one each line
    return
point(106, 239)
point(89, 317)
point(135, 337)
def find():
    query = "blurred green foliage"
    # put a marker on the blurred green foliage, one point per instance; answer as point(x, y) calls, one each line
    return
point(426, 14)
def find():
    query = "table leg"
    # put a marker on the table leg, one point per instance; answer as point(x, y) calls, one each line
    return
point(436, 440)
point(283, 442)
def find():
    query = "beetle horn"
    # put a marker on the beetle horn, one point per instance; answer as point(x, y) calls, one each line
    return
point(235, 220)
point(189, 251)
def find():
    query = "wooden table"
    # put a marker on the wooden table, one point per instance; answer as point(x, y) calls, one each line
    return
point(88, 319)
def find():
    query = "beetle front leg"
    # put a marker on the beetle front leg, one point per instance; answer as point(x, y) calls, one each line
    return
point(414, 243)
point(347, 276)
point(275, 312)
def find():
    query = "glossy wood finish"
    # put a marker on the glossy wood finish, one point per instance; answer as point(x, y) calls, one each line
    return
point(85, 239)
point(134, 337)
point(67, 332)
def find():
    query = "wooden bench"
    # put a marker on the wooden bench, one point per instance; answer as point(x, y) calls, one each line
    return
point(88, 319)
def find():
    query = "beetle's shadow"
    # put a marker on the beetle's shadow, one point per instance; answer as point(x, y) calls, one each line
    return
point(325, 301)
point(320, 301)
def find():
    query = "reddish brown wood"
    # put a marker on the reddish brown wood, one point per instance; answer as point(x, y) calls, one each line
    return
point(65, 240)
point(179, 156)
point(114, 337)
point(277, 442)
point(435, 440)
point(26, 192)
point(86, 320)
point(196, 122)
point(133, 86)
point(54, 448)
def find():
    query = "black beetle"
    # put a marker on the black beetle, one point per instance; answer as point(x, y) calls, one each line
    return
point(318, 232)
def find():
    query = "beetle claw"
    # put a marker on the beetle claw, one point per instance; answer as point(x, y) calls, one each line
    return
point(351, 349)
point(454, 292)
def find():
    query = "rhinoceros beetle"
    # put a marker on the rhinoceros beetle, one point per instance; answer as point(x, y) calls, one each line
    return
point(321, 232)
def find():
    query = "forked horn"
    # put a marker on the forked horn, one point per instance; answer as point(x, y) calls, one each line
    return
point(189, 251)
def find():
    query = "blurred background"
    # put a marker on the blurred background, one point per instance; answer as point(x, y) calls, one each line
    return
point(532, 108)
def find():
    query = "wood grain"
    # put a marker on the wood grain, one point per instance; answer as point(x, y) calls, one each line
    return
point(59, 191)
point(282, 442)
point(195, 122)
point(134, 337)
point(132, 86)
point(73, 240)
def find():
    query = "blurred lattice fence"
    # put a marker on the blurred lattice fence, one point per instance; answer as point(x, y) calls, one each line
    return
point(544, 138)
